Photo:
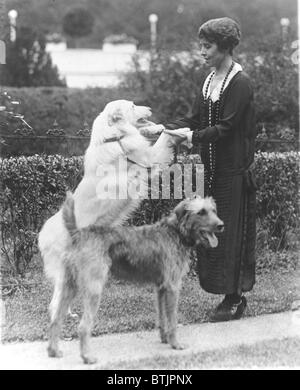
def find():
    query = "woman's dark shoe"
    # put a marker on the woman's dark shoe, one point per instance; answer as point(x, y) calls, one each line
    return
point(227, 311)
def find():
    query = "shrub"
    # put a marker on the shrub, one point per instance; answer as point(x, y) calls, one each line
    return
point(268, 260)
point(277, 206)
point(171, 85)
point(33, 189)
point(119, 39)
point(78, 22)
point(30, 145)
point(27, 62)
point(275, 79)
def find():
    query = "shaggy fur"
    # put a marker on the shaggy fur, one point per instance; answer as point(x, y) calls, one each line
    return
point(158, 254)
point(122, 123)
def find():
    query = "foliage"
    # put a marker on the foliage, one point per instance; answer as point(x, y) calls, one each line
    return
point(78, 22)
point(54, 38)
point(170, 86)
point(277, 199)
point(119, 38)
point(275, 79)
point(27, 62)
point(268, 260)
point(33, 189)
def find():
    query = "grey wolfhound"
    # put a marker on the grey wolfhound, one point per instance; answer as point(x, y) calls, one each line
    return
point(158, 253)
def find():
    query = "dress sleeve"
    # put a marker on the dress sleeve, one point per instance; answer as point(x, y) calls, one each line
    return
point(235, 103)
point(193, 121)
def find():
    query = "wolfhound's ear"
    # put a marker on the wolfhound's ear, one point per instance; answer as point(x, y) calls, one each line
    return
point(114, 117)
point(180, 209)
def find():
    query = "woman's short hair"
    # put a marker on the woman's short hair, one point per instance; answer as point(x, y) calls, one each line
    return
point(225, 32)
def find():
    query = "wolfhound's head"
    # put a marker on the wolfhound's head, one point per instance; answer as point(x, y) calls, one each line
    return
point(198, 221)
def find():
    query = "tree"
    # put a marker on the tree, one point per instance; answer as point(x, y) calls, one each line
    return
point(78, 22)
point(27, 62)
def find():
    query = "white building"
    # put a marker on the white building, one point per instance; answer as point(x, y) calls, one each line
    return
point(93, 67)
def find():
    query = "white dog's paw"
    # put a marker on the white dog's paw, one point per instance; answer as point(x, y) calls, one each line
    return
point(181, 133)
point(178, 136)
point(151, 130)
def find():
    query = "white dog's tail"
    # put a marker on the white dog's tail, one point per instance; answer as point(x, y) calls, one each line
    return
point(68, 214)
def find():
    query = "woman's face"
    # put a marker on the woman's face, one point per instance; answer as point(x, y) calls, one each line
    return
point(211, 53)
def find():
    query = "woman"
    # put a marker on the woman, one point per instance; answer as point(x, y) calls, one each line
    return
point(223, 125)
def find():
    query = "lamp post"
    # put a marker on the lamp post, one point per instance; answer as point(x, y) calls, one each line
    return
point(153, 18)
point(13, 14)
point(284, 22)
point(180, 8)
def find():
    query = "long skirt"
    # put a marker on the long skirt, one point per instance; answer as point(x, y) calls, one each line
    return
point(230, 267)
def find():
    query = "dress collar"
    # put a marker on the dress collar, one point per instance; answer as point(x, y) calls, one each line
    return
point(214, 95)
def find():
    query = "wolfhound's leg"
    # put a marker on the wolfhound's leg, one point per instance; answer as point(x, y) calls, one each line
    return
point(161, 292)
point(171, 296)
point(62, 298)
point(92, 290)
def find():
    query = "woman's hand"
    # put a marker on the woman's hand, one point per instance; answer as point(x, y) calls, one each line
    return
point(182, 135)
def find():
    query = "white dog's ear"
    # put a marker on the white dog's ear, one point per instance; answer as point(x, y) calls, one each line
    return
point(196, 196)
point(113, 118)
point(193, 196)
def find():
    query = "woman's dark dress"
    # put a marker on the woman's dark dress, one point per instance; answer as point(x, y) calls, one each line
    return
point(230, 267)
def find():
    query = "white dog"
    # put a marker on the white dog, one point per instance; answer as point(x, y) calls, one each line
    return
point(116, 139)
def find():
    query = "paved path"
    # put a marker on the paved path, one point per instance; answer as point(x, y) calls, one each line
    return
point(138, 345)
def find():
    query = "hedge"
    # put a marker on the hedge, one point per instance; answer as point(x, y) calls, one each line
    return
point(278, 197)
point(33, 189)
point(31, 145)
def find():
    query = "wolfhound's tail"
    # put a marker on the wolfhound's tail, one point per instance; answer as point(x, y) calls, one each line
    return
point(69, 215)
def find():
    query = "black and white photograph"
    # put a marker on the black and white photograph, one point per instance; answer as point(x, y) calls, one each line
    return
point(149, 188)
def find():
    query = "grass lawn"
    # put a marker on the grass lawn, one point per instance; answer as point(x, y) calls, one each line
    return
point(128, 307)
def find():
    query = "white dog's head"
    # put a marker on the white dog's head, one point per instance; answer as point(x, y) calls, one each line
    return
point(118, 118)
point(125, 110)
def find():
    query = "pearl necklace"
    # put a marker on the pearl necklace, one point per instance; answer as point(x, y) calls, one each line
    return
point(212, 146)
